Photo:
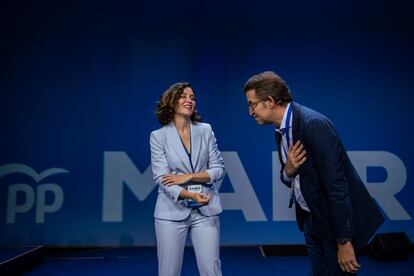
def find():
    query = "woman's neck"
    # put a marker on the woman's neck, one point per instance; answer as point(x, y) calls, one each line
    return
point(181, 123)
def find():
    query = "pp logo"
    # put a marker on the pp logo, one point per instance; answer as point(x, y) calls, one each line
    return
point(31, 196)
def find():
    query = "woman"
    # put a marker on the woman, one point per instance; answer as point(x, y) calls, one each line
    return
point(185, 163)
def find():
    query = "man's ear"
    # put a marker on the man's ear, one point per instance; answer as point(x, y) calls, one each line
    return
point(271, 101)
point(274, 103)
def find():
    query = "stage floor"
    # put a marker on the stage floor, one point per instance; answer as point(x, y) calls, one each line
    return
point(235, 261)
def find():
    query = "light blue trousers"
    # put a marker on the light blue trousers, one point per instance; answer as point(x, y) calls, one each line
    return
point(205, 237)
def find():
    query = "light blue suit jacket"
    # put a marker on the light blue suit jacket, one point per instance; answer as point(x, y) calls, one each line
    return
point(168, 156)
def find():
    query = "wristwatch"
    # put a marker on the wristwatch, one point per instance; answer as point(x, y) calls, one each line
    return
point(343, 240)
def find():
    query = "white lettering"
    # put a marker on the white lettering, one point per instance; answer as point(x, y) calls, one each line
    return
point(120, 170)
point(383, 192)
point(42, 207)
point(244, 197)
point(12, 207)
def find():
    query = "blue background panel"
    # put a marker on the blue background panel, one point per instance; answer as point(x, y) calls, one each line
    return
point(80, 81)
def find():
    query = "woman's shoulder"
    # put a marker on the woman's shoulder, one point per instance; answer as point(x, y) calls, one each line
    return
point(159, 132)
point(202, 126)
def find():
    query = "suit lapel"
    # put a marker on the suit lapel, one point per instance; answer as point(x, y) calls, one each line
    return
point(278, 143)
point(295, 123)
point(295, 131)
point(195, 143)
point(177, 145)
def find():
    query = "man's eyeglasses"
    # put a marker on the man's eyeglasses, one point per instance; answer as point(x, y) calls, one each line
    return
point(253, 105)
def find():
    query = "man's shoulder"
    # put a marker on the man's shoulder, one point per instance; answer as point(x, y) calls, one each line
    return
point(309, 120)
point(308, 115)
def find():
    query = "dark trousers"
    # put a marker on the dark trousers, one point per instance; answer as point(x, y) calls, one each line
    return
point(322, 251)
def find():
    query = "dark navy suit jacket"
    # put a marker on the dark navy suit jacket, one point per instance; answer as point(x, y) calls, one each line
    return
point(339, 202)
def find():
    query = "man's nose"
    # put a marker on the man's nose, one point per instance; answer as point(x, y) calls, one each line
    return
point(250, 112)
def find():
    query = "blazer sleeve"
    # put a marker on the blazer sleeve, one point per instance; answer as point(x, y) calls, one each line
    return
point(283, 177)
point(323, 142)
point(159, 165)
point(215, 168)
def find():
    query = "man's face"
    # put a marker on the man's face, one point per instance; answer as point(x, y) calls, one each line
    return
point(258, 108)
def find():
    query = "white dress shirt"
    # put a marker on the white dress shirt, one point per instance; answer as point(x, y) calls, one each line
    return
point(284, 148)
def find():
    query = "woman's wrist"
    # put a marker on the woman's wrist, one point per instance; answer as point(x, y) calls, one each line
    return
point(192, 196)
point(186, 194)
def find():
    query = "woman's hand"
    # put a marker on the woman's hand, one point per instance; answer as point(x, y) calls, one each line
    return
point(201, 198)
point(175, 179)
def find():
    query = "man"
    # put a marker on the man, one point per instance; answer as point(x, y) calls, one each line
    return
point(333, 207)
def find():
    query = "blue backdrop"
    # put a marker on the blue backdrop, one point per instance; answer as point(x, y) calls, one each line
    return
point(80, 81)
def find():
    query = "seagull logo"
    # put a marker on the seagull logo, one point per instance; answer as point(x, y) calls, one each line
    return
point(20, 168)
point(32, 196)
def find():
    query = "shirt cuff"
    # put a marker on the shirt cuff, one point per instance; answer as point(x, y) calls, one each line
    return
point(287, 178)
